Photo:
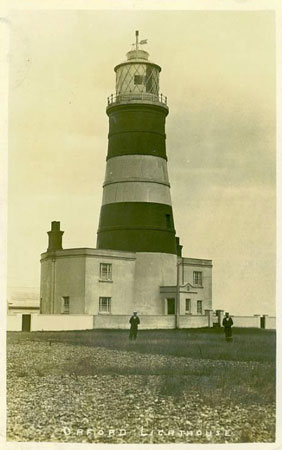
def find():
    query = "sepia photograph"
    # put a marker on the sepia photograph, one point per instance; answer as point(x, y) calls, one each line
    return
point(141, 227)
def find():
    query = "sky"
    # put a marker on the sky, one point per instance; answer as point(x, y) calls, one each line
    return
point(218, 72)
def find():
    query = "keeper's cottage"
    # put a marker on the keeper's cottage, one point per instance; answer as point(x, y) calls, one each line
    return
point(138, 263)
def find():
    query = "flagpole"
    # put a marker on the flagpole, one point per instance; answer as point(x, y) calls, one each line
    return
point(136, 34)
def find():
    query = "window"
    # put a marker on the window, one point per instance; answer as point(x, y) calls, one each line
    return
point(65, 305)
point(138, 79)
point(197, 278)
point(105, 271)
point(104, 304)
point(199, 307)
point(168, 220)
point(187, 305)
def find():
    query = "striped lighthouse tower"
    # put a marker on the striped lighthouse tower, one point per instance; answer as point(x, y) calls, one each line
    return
point(136, 213)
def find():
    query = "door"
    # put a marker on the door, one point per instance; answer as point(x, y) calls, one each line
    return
point(26, 322)
point(262, 322)
point(171, 306)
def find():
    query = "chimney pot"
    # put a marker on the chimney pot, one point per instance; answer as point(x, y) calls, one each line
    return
point(55, 237)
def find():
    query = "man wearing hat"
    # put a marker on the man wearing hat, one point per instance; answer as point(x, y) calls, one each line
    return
point(227, 323)
point(134, 322)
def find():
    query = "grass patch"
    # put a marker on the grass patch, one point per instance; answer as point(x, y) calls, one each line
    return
point(248, 344)
point(203, 363)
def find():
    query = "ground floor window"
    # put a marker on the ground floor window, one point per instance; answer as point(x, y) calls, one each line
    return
point(65, 305)
point(104, 304)
point(187, 305)
point(199, 307)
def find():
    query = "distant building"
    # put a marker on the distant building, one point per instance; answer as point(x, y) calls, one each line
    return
point(23, 300)
point(23, 308)
point(138, 263)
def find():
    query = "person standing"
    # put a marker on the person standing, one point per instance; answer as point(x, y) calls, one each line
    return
point(227, 323)
point(134, 322)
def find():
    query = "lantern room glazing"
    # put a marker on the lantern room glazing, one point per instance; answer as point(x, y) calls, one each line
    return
point(137, 79)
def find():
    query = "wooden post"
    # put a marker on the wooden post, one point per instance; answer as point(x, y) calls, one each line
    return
point(177, 300)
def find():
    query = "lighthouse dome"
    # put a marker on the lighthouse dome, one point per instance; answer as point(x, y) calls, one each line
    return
point(137, 54)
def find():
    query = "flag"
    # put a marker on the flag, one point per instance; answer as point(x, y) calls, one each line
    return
point(144, 41)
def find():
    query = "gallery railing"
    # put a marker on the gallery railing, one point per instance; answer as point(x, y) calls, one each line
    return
point(132, 97)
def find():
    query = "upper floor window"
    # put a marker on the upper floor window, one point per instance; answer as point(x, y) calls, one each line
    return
point(104, 304)
point(197, 278)
point(105, 271)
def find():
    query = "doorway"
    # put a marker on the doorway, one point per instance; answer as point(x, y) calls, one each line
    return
point(26, 322)
point(171, 305)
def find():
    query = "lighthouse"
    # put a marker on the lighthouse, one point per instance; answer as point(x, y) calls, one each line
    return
point(137, 264)
point(136, 213)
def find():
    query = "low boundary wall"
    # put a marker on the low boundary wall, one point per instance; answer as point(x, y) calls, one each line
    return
point(14, 322)
point(122, 322)
point(270, 323)
point(60, 322)
point(246, 321)
point(193, 321)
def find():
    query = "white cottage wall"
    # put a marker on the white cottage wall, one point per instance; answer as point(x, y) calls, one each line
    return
point(152, 271)
point(120, 288)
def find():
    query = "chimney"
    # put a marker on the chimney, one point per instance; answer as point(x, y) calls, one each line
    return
point(178, 247)
point(55, 237)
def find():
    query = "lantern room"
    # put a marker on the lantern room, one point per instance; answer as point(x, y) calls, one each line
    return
point(137, 75)
point(137, 78)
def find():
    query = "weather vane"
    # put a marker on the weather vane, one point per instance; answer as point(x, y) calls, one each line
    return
point(137, 43)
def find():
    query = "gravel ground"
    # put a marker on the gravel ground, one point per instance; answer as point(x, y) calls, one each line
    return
point(109, 397)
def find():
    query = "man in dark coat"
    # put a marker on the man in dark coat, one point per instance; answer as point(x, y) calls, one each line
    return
point(134, 322)
point(227, 323)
